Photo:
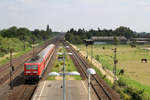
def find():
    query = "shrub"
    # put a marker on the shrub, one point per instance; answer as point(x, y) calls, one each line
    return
point(1, 54)
point(97, 58)
point(121, 82)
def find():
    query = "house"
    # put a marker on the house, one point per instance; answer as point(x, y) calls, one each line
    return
point(108, 38)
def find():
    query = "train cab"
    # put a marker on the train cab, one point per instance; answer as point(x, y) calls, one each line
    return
point(35, 67)
point(31, 71)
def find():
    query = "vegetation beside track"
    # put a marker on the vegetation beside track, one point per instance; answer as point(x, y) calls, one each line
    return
point(20, 41)
point(128, 86)
point(58, 67)
point(5, 59)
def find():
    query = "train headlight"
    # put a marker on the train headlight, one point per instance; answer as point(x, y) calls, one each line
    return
point(35, 72)
point(28, 72)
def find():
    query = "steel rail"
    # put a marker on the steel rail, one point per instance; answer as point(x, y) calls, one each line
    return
point(17, 92)
point(81, 61)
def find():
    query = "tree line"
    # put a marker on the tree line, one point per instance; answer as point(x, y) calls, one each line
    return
point(77, 36)
point(19, 38)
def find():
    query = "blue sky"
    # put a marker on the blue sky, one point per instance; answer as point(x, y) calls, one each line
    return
point(62, 15)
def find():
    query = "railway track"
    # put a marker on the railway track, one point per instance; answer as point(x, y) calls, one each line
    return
point(101, 89)
point(18, 63)
point(26, 91)
point(21, 91)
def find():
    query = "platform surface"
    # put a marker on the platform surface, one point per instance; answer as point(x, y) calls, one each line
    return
point(53, 90)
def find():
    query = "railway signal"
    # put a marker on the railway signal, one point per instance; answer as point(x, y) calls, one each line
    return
point(89, 42)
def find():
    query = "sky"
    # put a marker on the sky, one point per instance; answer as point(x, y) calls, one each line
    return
point(61, 15)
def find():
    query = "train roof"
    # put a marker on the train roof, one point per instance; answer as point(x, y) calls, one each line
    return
point(39, 58)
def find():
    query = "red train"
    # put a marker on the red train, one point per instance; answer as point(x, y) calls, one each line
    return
point(35, 67)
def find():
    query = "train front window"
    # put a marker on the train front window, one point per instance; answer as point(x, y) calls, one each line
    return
point(28, 67)
point(31, 67)
point(34, 67)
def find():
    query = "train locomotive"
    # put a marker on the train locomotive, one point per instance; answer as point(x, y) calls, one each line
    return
point(35, 67)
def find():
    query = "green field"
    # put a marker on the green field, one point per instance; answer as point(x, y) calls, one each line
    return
point(128, 59)
point(136, 73)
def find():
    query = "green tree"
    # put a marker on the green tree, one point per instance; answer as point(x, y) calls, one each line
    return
point(24, 34)
point(48, 30)
point(11, 32)
point(124, 31)
point(82, 34)
point(19, 38)
point(116, 41)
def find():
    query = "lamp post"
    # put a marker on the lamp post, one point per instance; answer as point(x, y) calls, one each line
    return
point(63, 74)
point(90, 72)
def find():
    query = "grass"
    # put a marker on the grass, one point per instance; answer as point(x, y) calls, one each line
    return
point(138, 86)
point(58, 67)
point(17, 54)
point(136, 73)
point(128, 59)
point(19, 50)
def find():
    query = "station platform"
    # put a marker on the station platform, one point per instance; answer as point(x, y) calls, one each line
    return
point(53, 90)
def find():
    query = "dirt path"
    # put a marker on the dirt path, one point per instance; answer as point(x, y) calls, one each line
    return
point(148, 48)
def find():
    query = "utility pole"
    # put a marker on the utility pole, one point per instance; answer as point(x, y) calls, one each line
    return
point(24, 43)
point(115, 63)
point(33, 47)
point(89, 42)
point(11, 67)
point(89, 91)
point(91, 52)
point(64, 78)
point(87, 51)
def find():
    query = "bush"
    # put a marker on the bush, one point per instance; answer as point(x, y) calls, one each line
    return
point(1, 54)
point(134, 93)
point(127, 97)
point(97, 58)
point(13, 38)
point(121, 82)
point(128, 91)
